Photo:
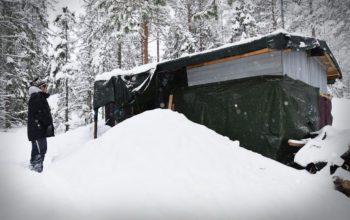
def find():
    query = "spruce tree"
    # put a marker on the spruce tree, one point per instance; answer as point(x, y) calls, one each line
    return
point(242, 21)
point(63, 68)
point(23, 47)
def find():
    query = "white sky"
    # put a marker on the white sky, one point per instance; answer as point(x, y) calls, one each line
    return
point(73, 5)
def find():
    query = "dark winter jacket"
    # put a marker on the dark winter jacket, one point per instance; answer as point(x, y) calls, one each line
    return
point(39, 115)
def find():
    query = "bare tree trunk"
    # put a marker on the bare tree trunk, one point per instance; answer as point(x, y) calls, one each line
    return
point(119, 52)
point(7, 110)
point(273, 13)
point(201, 48)
point(145, 40)
point(66, 110)
point(119, 55)
point(282, 13)
point(142, 49)
point(158, 52)
point(158, 43)
point(189, 15)
point(313, 31)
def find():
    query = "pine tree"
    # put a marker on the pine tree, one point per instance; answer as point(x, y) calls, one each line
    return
point(178, 38)
point(23, 47)
point(204, 24)
point(64, 68)
point(337, 31)
point(268, 13)
point(243, 23)
point(327, 20)
point(83, 83)
point(195, 27)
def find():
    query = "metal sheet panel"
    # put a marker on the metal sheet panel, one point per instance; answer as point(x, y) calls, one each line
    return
point(298, 65)
point(295, 65)
point(258, 65)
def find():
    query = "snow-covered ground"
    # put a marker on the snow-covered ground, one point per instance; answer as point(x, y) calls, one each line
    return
point(341, 113)
point(158, 165)
point(332, 141)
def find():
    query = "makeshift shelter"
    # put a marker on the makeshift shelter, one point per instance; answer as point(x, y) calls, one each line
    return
point(261, 91)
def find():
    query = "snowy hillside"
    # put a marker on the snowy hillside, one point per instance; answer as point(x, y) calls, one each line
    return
point(157, 165)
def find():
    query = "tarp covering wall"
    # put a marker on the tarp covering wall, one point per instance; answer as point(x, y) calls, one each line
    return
point(261, 112)
point(123, 89)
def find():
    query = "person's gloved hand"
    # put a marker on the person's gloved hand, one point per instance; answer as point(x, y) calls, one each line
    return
point(50, 131)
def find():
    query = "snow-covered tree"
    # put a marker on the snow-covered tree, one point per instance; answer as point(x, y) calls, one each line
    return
point(179, 39)
point(83, 83)
point(194, 27)
point(63, 67)
point(327, 20)
point(23, 47)
point(243, 24)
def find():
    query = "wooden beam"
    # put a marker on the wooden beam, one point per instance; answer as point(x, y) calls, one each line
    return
point(330, 61)
point(170, 102)
point(327, 96)
point(296, 143)
point(332, 71)
point(226, 59)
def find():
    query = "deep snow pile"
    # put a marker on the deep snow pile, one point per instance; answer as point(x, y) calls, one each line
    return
point(332, 141)
point(157, 165)
point(328, 147)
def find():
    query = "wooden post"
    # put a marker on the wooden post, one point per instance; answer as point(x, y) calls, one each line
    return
point(282, 13)
point(95, 123)
point(170, 102)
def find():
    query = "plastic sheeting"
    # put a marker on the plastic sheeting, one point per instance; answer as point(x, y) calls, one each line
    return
point(123, 89)
point(261, 112)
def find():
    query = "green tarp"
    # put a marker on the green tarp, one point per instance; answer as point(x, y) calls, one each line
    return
point(261, 112)
point(124, 89)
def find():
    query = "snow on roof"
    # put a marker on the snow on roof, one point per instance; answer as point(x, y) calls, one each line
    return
point(143, 68)
point(243, 41)
point(146, 67)
point(118, 72)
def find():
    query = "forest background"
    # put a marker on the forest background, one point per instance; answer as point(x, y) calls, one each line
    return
point(70, 50)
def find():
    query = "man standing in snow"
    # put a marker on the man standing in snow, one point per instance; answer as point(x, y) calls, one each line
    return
point(40, 124)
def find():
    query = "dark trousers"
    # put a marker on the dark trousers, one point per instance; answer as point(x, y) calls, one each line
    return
point(39, 148)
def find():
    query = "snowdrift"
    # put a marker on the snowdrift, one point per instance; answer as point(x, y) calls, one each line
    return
point(340, 112)
point(328, 147)
point(159, 165)
point(332, 141)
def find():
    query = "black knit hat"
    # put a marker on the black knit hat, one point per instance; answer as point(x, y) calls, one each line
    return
point(37, 83)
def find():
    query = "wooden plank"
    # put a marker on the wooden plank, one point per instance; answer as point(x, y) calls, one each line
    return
point(170, 102)
point(332, 71)
point(257, 52)
point(327, 96)
point(295, 143)
point(330, 61)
